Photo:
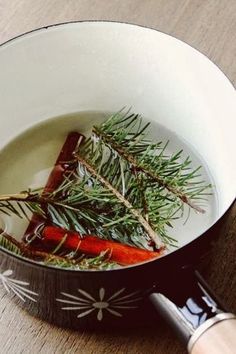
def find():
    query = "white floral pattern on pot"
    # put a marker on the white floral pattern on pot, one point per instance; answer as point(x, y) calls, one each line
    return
point(18, 287)
point(85, 303)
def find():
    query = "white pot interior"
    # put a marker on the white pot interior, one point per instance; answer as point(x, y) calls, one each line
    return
point(100, 66)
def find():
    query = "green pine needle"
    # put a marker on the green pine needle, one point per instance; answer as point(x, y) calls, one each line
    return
point(126, 187)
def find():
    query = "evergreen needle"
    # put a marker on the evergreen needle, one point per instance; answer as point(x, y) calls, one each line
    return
point(125, 188)
point(145, 169)
point(152, 234)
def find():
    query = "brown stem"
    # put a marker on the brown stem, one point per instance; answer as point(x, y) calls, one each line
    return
point(27, 197)
point(14, 197)
point(135, 163)
point(152, 234)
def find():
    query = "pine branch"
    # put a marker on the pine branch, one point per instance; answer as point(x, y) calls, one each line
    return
point(81, 209)
point(9, 243)
point(110, 141)
point(126, 188)
point(33, 202)
point(152, 234)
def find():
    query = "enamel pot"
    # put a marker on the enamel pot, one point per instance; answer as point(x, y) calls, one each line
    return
point(103, 66)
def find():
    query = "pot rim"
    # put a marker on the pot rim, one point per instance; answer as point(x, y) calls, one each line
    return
point(169, 258)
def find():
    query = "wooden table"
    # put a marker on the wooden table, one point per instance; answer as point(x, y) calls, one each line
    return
point(208, 25)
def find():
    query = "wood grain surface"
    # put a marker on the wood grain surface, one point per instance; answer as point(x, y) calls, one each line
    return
point(208, 25)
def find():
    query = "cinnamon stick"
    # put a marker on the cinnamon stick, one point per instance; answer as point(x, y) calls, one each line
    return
point(57, 175)
point(62, 166)
point(93, 245)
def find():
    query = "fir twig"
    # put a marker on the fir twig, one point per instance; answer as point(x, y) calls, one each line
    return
point(110, 141)
point(126, 188)
point(152, 234)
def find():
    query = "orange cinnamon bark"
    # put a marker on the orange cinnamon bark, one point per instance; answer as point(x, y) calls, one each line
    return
point(93, 245)
point(56, 176)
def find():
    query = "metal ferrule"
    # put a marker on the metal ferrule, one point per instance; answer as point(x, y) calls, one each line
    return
point(206, 325)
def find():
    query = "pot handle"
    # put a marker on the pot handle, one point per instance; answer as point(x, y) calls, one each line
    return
point(199, 319)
